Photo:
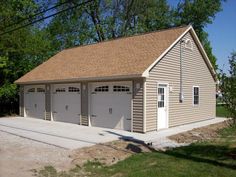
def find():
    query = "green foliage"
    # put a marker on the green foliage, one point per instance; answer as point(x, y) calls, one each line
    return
point(199, 13)
point(228, 87)
point(221, 111)
point(8, 92)
point(3, 62)
point(20, 51)
point(106, 19)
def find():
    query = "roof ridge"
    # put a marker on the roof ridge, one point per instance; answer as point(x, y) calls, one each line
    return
point(125, 37)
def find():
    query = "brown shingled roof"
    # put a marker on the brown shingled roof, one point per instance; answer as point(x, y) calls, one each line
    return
point(129, 56)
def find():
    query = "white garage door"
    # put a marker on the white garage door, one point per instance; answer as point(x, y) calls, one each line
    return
point(34, 97)
point(111, 105)
point(66, 103)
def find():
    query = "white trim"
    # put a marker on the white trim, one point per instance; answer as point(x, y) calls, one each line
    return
point(24, 109)
point(132, 108)
point(167, 102)
point(195, 105)
point(146, 72)
point(52, 114)
point(144, 105)
point(195, 37)
point(89, 104)
point(51, 93)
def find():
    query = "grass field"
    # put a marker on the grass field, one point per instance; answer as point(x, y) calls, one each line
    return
point(221, 111)
point(213, 158)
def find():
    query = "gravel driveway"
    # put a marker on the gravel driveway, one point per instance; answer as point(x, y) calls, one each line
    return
point(19, 156)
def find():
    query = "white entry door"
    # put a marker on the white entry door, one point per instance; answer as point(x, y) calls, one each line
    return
point(111, 105)
point(162, 106)
point(66, 103)
point(34, 97)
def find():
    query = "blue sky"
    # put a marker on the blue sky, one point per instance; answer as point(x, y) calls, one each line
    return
point(222, 32)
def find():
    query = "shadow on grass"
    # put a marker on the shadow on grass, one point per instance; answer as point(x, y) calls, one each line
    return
point(218, 155)
point(132, 139)
point(212, 154)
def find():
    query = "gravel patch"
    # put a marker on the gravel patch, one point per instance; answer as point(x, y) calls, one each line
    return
point(20, 156)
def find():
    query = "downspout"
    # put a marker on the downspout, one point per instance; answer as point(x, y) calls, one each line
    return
point(181, 95)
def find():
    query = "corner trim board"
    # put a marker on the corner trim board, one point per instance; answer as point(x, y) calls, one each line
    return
point(144, 106)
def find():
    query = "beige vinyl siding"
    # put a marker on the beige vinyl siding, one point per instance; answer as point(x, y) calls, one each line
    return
point(195, 73)
point(138, 106)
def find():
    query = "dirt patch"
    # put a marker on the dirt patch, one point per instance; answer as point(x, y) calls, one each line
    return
point(108, 153)
point(199, 134)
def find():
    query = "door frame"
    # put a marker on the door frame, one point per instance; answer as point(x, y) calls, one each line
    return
point(167, 103)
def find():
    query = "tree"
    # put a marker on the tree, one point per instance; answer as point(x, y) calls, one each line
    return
point(228, 87)
point(20, 51)
point(107, 19)
point(199, 13)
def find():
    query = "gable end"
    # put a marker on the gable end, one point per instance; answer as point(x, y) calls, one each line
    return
point(199, 45)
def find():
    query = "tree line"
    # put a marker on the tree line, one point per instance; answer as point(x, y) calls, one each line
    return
point(26, 48)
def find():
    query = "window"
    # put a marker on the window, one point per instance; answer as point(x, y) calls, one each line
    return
point(161, 98)
point(102, 89)
point(31, 90)
point(119, 88)
point(195, 95)
point(188, 44)
point(60, 90)
point(40, 90)
point(73, 89)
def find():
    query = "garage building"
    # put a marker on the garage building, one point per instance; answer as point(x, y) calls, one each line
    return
point(141, 83)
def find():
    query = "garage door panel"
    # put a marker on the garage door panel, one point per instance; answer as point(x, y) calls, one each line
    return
point(66, 103)
point(111, 105)
point(35, 101)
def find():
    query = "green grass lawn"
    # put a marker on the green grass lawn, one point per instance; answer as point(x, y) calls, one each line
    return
point(221, 111)
point(213, 158)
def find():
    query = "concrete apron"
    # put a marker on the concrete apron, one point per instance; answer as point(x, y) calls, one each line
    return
point(71, 136)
